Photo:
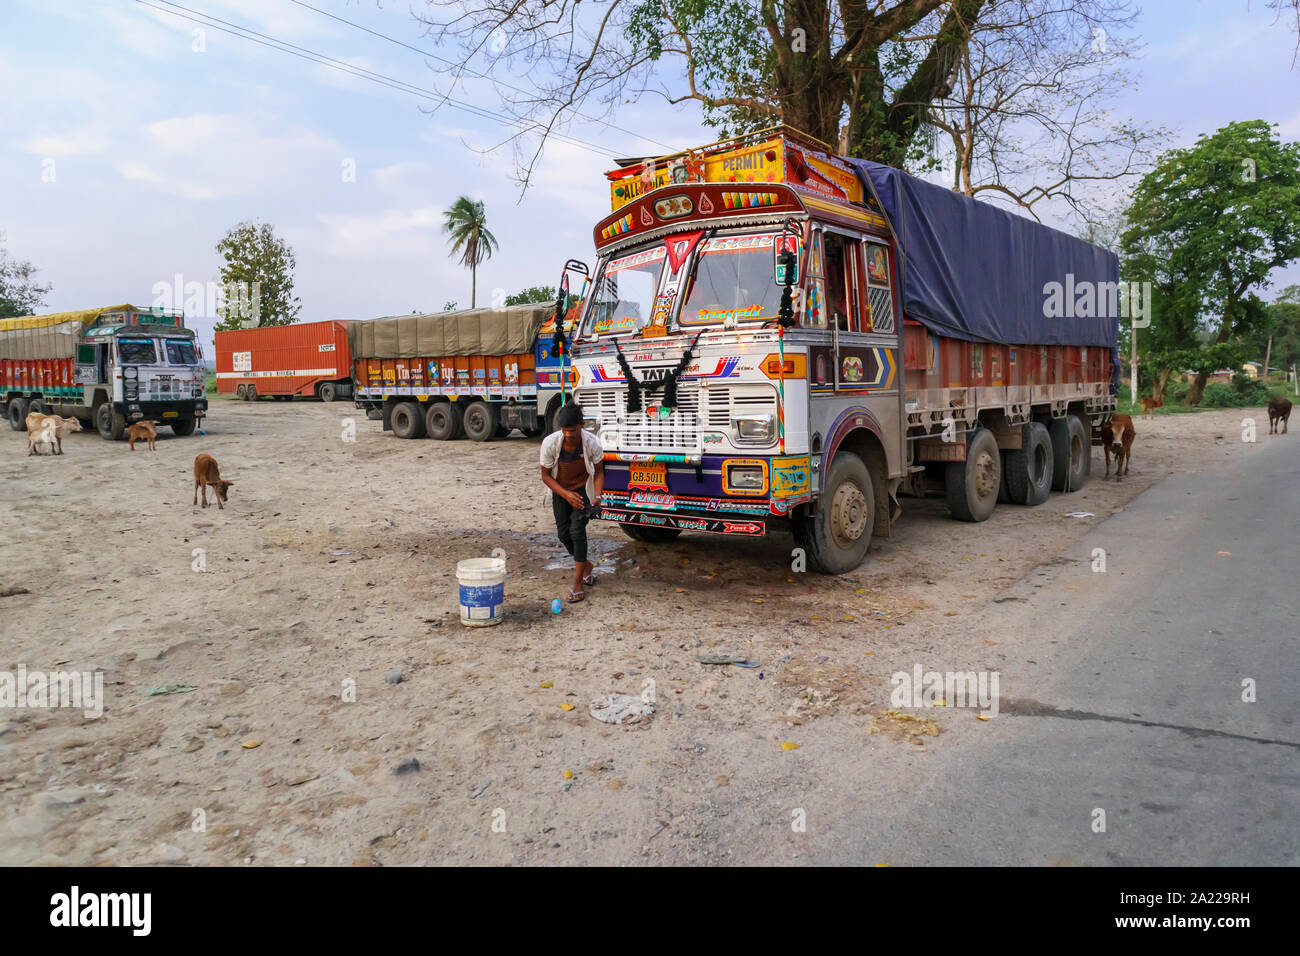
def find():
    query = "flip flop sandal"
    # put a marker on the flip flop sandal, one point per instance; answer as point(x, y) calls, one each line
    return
point(576, 596)
point(590, 579)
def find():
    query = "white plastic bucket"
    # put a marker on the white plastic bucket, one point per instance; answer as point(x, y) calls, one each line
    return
point(482, 591)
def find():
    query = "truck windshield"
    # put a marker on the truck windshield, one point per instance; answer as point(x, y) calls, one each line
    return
point(181, 352)
point(733, 279)
point(625, 293)
point(136, 351)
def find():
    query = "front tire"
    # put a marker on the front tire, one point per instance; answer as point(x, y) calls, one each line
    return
point(328, 392)
point(110, 424)
point(18, 414)
point(184, 426)
point(837, 536)
point(971, 486)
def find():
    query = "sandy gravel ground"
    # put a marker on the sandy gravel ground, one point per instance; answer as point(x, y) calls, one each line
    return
point(332, 567)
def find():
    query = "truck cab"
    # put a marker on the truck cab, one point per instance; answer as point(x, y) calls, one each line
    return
point(107, 367)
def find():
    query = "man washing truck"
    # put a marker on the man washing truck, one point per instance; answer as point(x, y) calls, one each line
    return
point(573, 467)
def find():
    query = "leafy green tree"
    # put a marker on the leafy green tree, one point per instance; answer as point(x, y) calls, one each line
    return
point(449, 305)
point(258, 278)
point(537, 293)
point(20, 293)
point(466, 223)
point(1206, 227)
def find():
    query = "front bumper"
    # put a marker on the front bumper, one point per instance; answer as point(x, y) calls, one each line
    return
point(696, 497)
point(165, 411)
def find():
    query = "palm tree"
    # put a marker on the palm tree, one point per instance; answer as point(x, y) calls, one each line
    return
point(466, 222)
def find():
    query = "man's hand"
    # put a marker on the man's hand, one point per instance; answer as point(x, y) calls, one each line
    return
point(573, 498)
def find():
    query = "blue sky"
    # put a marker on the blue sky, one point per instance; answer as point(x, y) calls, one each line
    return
point(157, 149)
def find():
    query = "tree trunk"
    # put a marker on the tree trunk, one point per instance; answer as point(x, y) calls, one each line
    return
point(1198, 388)
point(1268, 352)
point(1158, 392)
point(473, 284)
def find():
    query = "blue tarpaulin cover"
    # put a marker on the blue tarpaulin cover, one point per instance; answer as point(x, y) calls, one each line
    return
point(976, 272)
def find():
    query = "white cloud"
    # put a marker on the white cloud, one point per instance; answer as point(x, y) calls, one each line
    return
point(207, 156)
point(392, 232)
point(79, 142)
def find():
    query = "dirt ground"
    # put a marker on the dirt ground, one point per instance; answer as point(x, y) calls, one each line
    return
point(333, 566)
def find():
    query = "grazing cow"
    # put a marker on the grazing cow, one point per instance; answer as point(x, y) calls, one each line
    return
point(49, 430)
point(207, 475)
point(1117, 439)
point(1279, 410)
point(1148, 404)
point(146, 431)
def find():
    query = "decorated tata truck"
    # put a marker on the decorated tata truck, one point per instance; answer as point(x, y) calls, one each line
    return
point(108, 367)
point(476, 373)
point(779, 339)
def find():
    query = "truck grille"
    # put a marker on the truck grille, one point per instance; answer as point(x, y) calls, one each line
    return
point(711, 408)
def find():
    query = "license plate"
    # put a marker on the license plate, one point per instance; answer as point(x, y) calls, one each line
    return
point(171, 414)
point(648, 476)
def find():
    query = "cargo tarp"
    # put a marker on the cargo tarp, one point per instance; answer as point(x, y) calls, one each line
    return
point(505, 331)
point(53, 336)
point(974, 271)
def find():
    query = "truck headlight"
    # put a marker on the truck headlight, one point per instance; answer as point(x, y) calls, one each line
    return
point(759, 428)
point(745, 476)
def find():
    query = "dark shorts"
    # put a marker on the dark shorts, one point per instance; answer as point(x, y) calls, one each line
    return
point(571, 524)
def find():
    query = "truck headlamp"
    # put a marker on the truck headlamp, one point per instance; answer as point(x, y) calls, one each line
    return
point(758, 428)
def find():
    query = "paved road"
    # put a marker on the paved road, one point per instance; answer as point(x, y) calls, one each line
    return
point(1135, 704)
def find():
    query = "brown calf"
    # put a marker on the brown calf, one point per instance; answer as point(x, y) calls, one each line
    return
point(146, 431)
point(1279, 410)
point(1150, 403)
point(207, 475)
point(49, 430)
point(1117, 439)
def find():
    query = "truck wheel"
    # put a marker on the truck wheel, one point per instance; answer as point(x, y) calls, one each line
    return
point(241, 393)
point(250, 393)
point(480, 422)
point(443, 421)
point(837, 535)
point(37, 406)
point(18, 414)
point(650, 535)
point(408, 420)
point(1071, 453)
point(110, 424)
point(971, 486)
point(1029, 467)
point(552, 408)
point(184, 426)
point(328, 392)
